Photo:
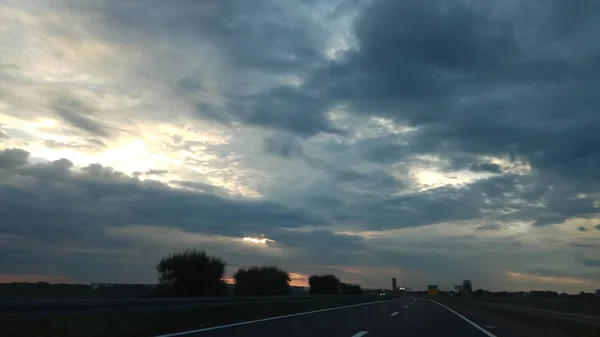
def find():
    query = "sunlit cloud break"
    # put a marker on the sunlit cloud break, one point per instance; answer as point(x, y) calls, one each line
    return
point(258, 241)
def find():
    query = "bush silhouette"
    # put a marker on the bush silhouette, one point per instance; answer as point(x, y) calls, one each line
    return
point(261, 281)
point(350, 289)
point(191, 272)
point(324, 284)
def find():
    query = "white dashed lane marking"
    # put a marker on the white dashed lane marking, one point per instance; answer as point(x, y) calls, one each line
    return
point(360, 334)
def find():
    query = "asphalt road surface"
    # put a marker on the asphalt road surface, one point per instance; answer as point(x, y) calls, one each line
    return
point(407, 316)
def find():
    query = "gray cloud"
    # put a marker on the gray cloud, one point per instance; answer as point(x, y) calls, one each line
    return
point(510, 80)
point(585, 245)
point(156, 172)
point(582, 229)
point(486, 167)
point(75, 114)
point(13, 158)
point(597, 227)
point(90, 145)
point(65, 203)
point(589, 262)
point(490, 227)
point(283, 146)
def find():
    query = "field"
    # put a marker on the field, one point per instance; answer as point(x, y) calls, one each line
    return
point(574, 304)
point(37, 291)
point(548, 323)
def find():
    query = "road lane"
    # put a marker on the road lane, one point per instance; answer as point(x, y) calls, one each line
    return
point(401, 317)
point(426, 319)
point(341, 322)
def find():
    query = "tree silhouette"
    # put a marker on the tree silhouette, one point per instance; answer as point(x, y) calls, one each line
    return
point(350, 289)
point(324, 284)
point(261, 281)
point(192, 272)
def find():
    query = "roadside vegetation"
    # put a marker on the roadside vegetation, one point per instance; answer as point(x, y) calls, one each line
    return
point(194, 272)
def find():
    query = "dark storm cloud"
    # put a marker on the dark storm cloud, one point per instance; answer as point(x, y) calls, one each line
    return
point(283, 108)
point(323, 238)
point(491, 227)
point(202, 187)
point(253, 34)
point(372, 180)
point(591, 262)
point(505, 79)
point(75, 113)
point(244, 37)
point(582, 229)
point(486, 167)
point(57, 202)
point(13, 158)
point(284, 146)
point(509, 79)
point(474, 77)
point(492, 199)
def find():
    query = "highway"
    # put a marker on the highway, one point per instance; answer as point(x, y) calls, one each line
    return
point(406, 316)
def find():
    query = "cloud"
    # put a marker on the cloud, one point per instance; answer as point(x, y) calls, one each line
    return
point(77, 115)
point(490, 227)
point(585, 245)
point(73, 203)
point(582, 229)
point(597, 227)
point(486, 167)
point(548, 280)
point(407, 136)
point(589, 262)
point(13, 158)
point(283, 146)
point(90, 145)
point(156, 172)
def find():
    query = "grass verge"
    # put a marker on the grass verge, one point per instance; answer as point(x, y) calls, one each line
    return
point(537, 321)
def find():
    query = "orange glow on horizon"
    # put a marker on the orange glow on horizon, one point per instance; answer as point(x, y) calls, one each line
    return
point(548, 279)
point(33, 278)
point(296, 280)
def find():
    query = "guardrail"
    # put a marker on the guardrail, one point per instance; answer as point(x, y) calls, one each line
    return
point(78, 307)
point(562, 315)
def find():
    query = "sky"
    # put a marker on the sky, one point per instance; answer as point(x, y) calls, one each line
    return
point(430, 141)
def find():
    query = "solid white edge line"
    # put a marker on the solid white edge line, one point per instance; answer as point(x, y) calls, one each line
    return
point(360, 334)
point(394, 313)
point(272, 318)
point(489, 334)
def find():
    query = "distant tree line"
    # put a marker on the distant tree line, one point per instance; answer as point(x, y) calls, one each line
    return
point(194, 272)
point(533, 293)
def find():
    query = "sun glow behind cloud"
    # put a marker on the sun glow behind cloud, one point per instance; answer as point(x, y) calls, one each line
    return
point(258, 241)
